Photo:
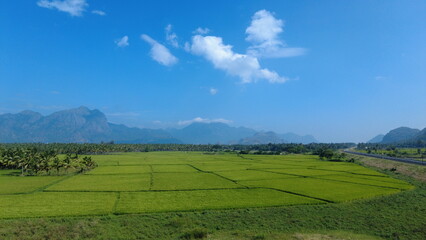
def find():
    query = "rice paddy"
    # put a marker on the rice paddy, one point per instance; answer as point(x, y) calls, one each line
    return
point(186, 181)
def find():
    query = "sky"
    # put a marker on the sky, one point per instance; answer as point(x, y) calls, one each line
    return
point(343, 71)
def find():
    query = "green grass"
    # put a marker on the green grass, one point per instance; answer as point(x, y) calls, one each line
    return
point(221, 166)
point(206, 199)
point(324, 189)
point(44, 204)
point(352, 168)
point(252, 175)
point(303, 172)
point(190, 181)
point(94, 183)
point(172, 168)
point(120, 169)
point(370, 180)
point(18, 184)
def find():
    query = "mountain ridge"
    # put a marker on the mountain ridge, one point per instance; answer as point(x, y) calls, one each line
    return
point(400, 135)
point(82, 125)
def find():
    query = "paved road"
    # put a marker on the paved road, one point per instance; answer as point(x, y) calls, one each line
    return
point(405, 160)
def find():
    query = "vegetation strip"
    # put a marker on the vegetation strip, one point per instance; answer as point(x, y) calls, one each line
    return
point(405, 160)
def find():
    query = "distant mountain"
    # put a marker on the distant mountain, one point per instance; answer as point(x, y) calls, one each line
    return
point(262, 138)
point(376, 139)
point(82, 125)
point(400, 134)
point(272, 137)
point(294, 138)
point(123, 134)
point(79, 125)
point(421, 136)
point(211, 133)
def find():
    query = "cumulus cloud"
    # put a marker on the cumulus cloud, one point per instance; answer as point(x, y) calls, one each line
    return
point(213, 91)
point(171, 37)
point(73, 7)
point(123, 42)
point(201, 31)
point(99, 12)
point(159, 52)
point(204, 120)
point(222, 56)
point(263, 33)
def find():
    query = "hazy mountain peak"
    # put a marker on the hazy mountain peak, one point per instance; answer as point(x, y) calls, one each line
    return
point(400, 134)
point(376, 139)
point(30, 113)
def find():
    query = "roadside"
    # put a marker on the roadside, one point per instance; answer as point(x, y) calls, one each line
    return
point(417, 172)
point(406, 160)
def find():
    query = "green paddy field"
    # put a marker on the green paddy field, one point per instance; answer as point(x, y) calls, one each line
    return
point(130, 183)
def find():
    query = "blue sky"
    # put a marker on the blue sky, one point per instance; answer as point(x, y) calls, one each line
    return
point(339, 70)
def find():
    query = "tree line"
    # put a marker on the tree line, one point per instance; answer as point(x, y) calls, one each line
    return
point(32, 161)
point(103, 148)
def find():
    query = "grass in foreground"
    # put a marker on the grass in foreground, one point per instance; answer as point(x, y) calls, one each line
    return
point(398, 216)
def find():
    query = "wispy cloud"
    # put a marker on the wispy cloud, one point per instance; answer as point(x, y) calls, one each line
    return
point(171, 37)
point(159, 52)
point(201, 31)
point(213, 91)
point(122, 42)
point(263, 33)
point(204, 120)
point(99, 12)
point(246, 67)
point(73, 7)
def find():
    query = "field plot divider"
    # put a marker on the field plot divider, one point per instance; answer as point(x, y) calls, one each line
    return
point(151, 182)
point(236, 182)
point(288, 174)
point(117, 201)
point(141, 191)
point(298, 194)
point(42, 189)
point(321, 177)
point(365, 184)
point(196, 168)
point(342, 171)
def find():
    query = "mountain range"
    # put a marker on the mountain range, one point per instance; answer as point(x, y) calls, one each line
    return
point(82, 125)
point(400, 135)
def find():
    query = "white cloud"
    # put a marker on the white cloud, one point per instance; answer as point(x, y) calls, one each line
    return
point(204, 120)
point(99, 12)
point(187, 47)
point(201, 31)
point(159, 52)
point(246, 67)
point(263, 33)
point(73, 7)
point(171, 37)
point(123, 42)
point(213, 91)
